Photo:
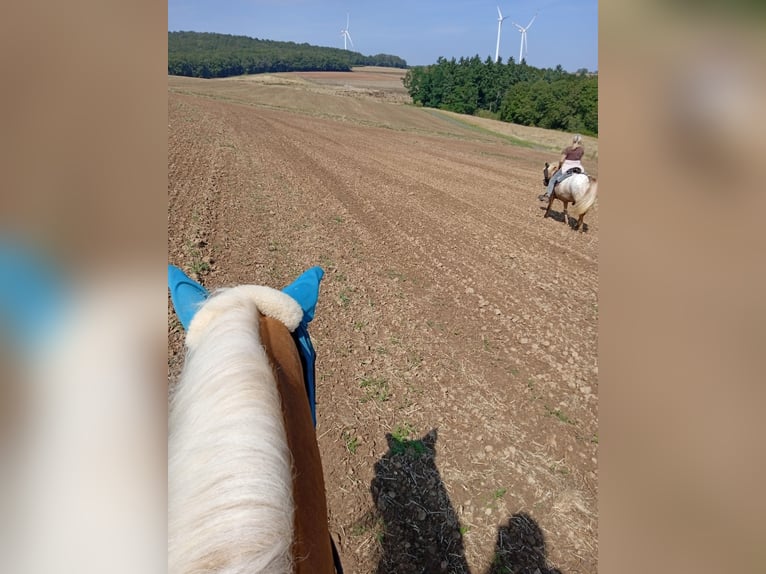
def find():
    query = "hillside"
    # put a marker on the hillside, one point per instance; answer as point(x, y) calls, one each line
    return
point(209, 55)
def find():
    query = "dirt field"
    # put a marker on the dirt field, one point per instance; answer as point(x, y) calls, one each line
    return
point(456, 329)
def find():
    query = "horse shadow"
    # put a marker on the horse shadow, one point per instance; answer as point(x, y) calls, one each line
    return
point(421, 532)
point(559, 216)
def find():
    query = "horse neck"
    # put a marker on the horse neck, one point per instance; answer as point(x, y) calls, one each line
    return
point(312, 550)
point(230, 504)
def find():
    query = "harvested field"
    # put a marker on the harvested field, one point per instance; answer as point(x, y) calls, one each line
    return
point(456, 329)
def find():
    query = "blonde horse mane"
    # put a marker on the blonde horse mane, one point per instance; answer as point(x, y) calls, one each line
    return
point(230, 501)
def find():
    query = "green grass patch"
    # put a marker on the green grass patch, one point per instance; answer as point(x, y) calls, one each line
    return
point(351, 442)
point(488, 115)
point(559, 414)
point(401, 443)
point(518, 142)
point(199, 267)
point(367, 525)
point(410, 447)
point(375, 388)
point(402, 431)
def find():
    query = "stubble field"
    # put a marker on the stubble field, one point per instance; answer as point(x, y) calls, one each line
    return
point(456, 330)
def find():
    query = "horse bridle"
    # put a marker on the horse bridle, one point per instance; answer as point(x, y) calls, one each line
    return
point(336, 557)
point(308, 357)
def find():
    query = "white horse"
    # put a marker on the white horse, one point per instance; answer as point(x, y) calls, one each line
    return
point(579, 188)
point(245, 487)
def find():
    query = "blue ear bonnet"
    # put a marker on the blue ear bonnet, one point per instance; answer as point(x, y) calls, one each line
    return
point(188, 295)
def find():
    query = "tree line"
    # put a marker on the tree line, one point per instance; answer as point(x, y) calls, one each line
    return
point(210, 55)
point(543, 97)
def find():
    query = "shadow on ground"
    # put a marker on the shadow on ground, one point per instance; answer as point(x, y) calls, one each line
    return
point(559, 216)
point(421, 532)
point(520, 548)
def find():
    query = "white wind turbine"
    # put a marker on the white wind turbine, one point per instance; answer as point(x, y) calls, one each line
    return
point(346, 35)
point(523, 31)
point(499, 27)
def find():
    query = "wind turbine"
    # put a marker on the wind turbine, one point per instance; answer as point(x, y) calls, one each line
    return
point(499, 27)
point(346, 35)
point(523, 31)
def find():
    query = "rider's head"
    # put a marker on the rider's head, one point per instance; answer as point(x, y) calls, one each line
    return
point(577, 139)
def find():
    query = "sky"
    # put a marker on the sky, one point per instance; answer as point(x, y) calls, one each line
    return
point(564, 33)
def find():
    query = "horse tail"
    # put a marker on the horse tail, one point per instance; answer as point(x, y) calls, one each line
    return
point(230, 506)
point(583, 204)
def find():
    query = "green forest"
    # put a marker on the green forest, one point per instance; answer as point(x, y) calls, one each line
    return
point(518, 93)
point(209, 55)
point(511, 92)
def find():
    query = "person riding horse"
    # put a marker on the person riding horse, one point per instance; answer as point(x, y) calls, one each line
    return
point(570, 158)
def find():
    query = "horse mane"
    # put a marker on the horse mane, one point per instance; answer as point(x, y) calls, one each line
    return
point(230, 501)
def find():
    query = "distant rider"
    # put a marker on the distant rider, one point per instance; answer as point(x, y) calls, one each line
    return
point(570, 157)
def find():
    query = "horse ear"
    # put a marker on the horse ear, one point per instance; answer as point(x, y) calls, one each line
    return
point(305, 290)
point(186, 294)
point(429, 439)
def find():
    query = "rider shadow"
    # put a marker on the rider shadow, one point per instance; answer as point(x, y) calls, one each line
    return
point(421, 529)
point(520, 548)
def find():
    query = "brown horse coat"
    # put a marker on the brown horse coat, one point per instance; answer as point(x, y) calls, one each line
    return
point(312, 551)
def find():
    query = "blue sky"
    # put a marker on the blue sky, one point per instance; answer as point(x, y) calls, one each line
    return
point(565, 31)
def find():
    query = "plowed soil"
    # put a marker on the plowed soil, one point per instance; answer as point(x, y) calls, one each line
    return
point(456, 329)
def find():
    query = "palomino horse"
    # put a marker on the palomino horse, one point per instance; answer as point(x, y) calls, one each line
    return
point(579, 188)
point(245, 486)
